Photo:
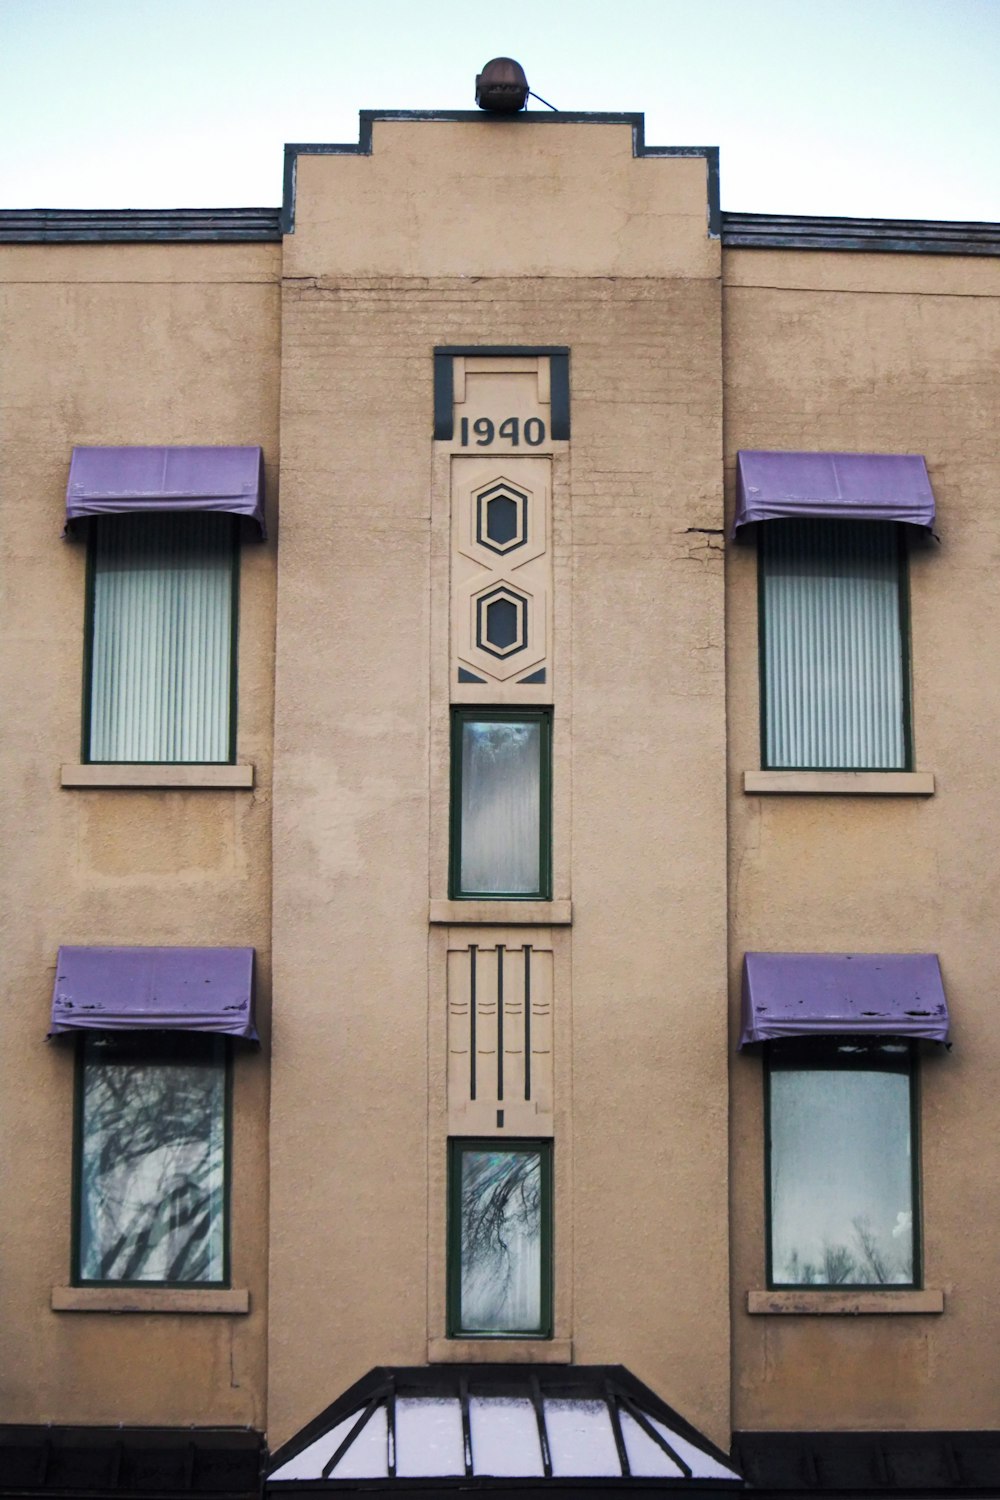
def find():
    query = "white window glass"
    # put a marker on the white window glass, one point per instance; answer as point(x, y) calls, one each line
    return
point(841, 1164)
point(161, 638)
point(834, 686)
point(151, 1159)
point(501, 810)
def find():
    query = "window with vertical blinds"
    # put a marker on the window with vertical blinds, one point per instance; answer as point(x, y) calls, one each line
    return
point(833, 648)
point(162, 635)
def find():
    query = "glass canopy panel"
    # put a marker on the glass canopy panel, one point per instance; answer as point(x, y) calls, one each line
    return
point(429, 1441)
point(368, 1455)
point(581, 1440)
point(309, 1464)
point(646, 1459)
point(701, 1464)
point(504, 1434)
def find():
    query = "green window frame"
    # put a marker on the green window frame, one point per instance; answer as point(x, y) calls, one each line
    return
point(151, 1160)
point(162, 616)
point(842, 1163)
point(499, 1238)
point(501, 804)
point(833, 608)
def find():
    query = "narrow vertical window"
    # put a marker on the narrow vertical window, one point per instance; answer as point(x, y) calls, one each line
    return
point(151, 1160)
point(842, 1182)
point(500, 837)
point(161, 670)
point(500, 1239)
point(833, 645)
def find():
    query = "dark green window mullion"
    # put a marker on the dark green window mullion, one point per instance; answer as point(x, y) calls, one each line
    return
point(498, 1146)
point(88, 643)
point(461, 884)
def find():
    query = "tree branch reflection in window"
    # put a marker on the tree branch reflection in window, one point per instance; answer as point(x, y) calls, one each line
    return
point(501, 1233)
point(152, 1159)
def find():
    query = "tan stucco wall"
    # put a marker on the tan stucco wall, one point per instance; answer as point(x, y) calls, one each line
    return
point(491, 232)
point(882, 354)
point(393, 254)
point(118, 345)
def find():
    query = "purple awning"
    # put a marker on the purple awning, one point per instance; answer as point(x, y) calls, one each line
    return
point(127, 481)
point(154, 989)
point(831, 994)
point(841, 486)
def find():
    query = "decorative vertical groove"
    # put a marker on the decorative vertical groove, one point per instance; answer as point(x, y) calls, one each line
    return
point(527, 1021)
point(832, 645)
point(499, 1021)
point(473, 1002)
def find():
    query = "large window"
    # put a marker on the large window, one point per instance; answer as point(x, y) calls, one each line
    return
point(500, 1239)
point(150, 1159)
point(842, 1173)
point(834, 671)
point(500, 803)
point(161, 673)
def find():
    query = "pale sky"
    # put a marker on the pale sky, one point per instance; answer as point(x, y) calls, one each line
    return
point(883, 108)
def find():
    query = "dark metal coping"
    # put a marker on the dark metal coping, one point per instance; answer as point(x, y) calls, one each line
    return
point(924, 1464)
point(603, 1383)
point(59, 226)
point(800, 232)
point(119, 1461)
point(56, 226)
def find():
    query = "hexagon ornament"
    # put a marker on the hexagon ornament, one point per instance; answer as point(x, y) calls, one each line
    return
point(502, 621)
point(500, 579)
point(501, 518)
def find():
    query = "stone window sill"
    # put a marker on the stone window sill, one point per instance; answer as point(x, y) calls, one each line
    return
point(151, 1299)
point(239, 778)
point(500, 1351)
point(841, 783)
point(501, 913)
point(845, 1304)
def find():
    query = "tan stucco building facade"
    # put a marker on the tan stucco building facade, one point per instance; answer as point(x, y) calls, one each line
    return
point(500, 370)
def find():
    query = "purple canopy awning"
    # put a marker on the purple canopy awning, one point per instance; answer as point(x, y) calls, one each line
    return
point(154, 989)
point(840, 486)
point(127, 481)
point(832, 994)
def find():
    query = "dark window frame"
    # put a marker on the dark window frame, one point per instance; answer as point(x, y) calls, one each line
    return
point(903, 576)
point(819, 1054)
point(88, 649)
point(77, 1279)
point(470, 713)
point(543, 1147)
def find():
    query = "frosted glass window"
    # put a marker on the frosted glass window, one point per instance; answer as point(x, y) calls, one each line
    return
point(841, 1167)
point(161, 638)
point(833, 650)
point(500, 1217)
point(151, 1159)
point(500, 804)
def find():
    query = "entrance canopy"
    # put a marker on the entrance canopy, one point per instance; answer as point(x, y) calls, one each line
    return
point(530, 1428)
